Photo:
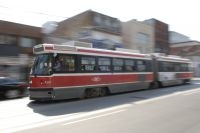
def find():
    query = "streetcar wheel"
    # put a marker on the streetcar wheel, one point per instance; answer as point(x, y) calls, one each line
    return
point(89, 93)
point(103, 92)
point(154, 85)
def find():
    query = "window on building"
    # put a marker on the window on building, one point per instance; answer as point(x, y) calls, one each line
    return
point(7, 39)
point(107, 22)
point(98, 19)
point(115, 24)
point(27, 42)
point(142, 38)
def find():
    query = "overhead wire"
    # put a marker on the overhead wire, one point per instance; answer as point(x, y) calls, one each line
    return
point(31, 12)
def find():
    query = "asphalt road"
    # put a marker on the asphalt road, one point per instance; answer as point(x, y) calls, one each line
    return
point(167, 110)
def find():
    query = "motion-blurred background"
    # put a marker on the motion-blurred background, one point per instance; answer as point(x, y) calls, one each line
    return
point(103, 31)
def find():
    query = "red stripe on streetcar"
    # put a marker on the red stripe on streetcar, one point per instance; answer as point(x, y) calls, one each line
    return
point(42, 82)
point(92, 80)
point(70, 81)
point(184, 75)
point(149, 77)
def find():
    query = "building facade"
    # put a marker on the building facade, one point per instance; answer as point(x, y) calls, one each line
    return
point(16, 42)
point(175, 37)
point(101, 30)
point(147, 36)
point(138, 35)
point(161, 36)
point(191, 50)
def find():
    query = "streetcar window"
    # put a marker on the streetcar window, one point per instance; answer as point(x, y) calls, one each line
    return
point(148, 66)
point(64, 63)
point(118, 64)
point(130, 65)
point(173, 67)
point(184, 67)
point(141, 66)
point(163, 67)
point(69, 63)
point(42, 65)
point(166, 66)
point(177, 67)
point(104, 64)
point(87, 64)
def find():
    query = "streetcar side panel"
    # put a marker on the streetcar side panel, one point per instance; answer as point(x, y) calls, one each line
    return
point(173, 71)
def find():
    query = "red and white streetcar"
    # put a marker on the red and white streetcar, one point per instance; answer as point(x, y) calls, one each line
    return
point(71, 71)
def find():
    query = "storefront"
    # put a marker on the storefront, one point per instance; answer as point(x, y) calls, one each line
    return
point(16, 42)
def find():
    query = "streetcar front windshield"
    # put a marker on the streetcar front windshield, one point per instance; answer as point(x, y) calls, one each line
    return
point(42, 65)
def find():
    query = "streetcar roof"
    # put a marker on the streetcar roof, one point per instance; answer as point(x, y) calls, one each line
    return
point(60, 48)
point(171, 58)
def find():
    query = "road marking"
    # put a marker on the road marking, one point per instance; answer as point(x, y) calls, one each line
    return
point(188, 92)
point(192, 92)
point(152, 99)
point(196, 83)
point(98, 116)
point(57, 119)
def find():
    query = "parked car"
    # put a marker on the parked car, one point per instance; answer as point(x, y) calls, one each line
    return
point(12, 88)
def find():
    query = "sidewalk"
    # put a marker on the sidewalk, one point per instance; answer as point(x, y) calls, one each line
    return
point(196, 78)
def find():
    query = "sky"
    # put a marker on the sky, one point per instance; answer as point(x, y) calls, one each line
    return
point(181, 15)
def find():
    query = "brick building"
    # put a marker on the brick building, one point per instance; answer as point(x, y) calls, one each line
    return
point(161, 35)
point(101, 30)
point(16, 41)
